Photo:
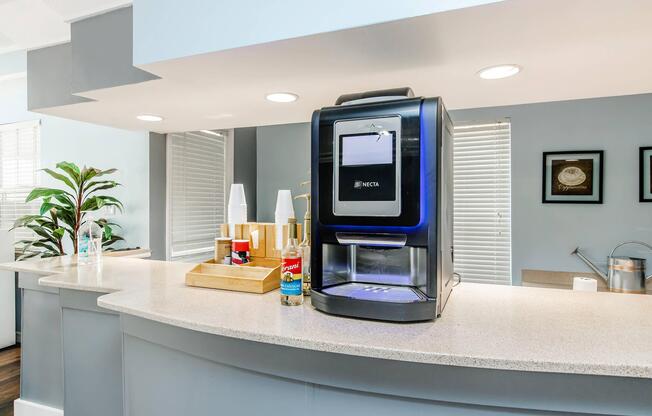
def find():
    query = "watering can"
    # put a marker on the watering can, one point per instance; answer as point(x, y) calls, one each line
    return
point(624, 274)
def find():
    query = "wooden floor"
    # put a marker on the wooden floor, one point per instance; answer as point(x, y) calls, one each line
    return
point(9, 379)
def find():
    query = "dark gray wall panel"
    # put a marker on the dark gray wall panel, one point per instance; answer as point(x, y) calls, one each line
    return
point(283, 163)
point(41, 378)
point(92, 356)
point(49, 77)
point(244, 166)
point(157, 194)
point(102, 49)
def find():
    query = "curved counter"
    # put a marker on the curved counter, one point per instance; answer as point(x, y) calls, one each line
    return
point(553, 350)
point(485, 326)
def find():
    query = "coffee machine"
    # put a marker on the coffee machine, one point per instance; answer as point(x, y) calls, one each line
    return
point(382, 206)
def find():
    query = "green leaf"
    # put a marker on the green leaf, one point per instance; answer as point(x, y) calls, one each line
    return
point(72, 170)
point(114, 239)
point(93, 203)
point(108, 232)
point(48, 247)
point(109, 200)
point(107, 172)
point(65, 200)
point(100, 185)
point(61, 177)
point(89, 173)
point(42, 232)
point(48, 206)
point(26, 256)
point(59, 233)
point(25, 219)
point(43, 193)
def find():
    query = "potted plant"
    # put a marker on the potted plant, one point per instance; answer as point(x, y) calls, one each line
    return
point(64, 210)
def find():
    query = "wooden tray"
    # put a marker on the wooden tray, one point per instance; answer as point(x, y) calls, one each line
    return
point(247, 278)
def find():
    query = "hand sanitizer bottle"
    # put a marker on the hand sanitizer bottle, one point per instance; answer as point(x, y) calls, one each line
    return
point(89, 242)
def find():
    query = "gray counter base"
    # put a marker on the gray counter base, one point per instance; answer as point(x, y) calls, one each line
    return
point(171, 371)
point(92, 356)
point(41, 367)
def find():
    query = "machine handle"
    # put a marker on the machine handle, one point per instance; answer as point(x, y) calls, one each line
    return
point(374, 96)
point(375, 240)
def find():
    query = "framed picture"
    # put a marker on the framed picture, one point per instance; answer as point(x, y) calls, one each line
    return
point(645, 174)
point(573, 177)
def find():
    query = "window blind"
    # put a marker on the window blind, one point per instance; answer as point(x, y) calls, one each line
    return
point(482, 201)
point(198, 168)
point(19, 164)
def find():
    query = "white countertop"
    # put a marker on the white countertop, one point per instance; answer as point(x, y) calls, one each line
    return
point(485, 326)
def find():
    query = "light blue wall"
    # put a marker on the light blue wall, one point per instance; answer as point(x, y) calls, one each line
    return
point(168, 29)
point(93, 145)
point(543, 235)
point(12, 63)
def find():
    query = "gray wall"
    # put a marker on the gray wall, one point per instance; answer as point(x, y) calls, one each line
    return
point(50, 77)
point(245, 165)
point(283, 163)
point(157, 195)
point(102, 52)
point(543, 235)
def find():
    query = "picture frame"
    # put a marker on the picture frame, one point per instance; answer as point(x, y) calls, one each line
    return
point(573, 177)
point(645, 174)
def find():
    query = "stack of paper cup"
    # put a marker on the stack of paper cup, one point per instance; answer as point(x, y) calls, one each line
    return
point(237, 208)
point(585, 284)
point(284, 211)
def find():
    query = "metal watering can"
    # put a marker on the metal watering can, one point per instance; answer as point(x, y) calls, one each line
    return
point(625, 274)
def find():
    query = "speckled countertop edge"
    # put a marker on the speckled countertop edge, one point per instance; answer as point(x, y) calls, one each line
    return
point(397, 355)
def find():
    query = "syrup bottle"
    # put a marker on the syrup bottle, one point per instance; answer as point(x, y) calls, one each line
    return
point(304, 246)
point(291, 270)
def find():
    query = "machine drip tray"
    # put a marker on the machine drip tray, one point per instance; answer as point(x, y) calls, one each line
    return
point(375, 292)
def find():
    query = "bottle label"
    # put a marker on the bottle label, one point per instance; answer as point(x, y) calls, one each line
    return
point(84, 246)
point(291, 278)
point(239, 257)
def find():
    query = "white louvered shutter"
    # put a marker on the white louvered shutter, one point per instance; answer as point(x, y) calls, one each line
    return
point(19, 164)
point(482, 197)
point(197, 181)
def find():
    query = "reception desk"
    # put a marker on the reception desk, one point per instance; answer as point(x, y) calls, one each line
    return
point(136, 341)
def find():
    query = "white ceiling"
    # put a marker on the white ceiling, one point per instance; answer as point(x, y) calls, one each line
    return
point(29, 24)
point(568, 49)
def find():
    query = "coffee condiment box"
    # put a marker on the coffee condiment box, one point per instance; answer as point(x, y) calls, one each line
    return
point(266, 240)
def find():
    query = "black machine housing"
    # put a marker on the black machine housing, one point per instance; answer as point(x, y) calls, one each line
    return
point(365, 217)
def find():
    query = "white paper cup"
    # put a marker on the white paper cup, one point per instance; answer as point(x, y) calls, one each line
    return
point(284, 210)
point(237, 195)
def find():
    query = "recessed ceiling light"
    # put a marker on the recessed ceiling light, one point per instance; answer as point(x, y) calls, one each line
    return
point(281, 97)
point(149, 117)
point(499, 71)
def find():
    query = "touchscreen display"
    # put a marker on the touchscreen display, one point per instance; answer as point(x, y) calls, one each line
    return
point(367, 167)
point(367, 149)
